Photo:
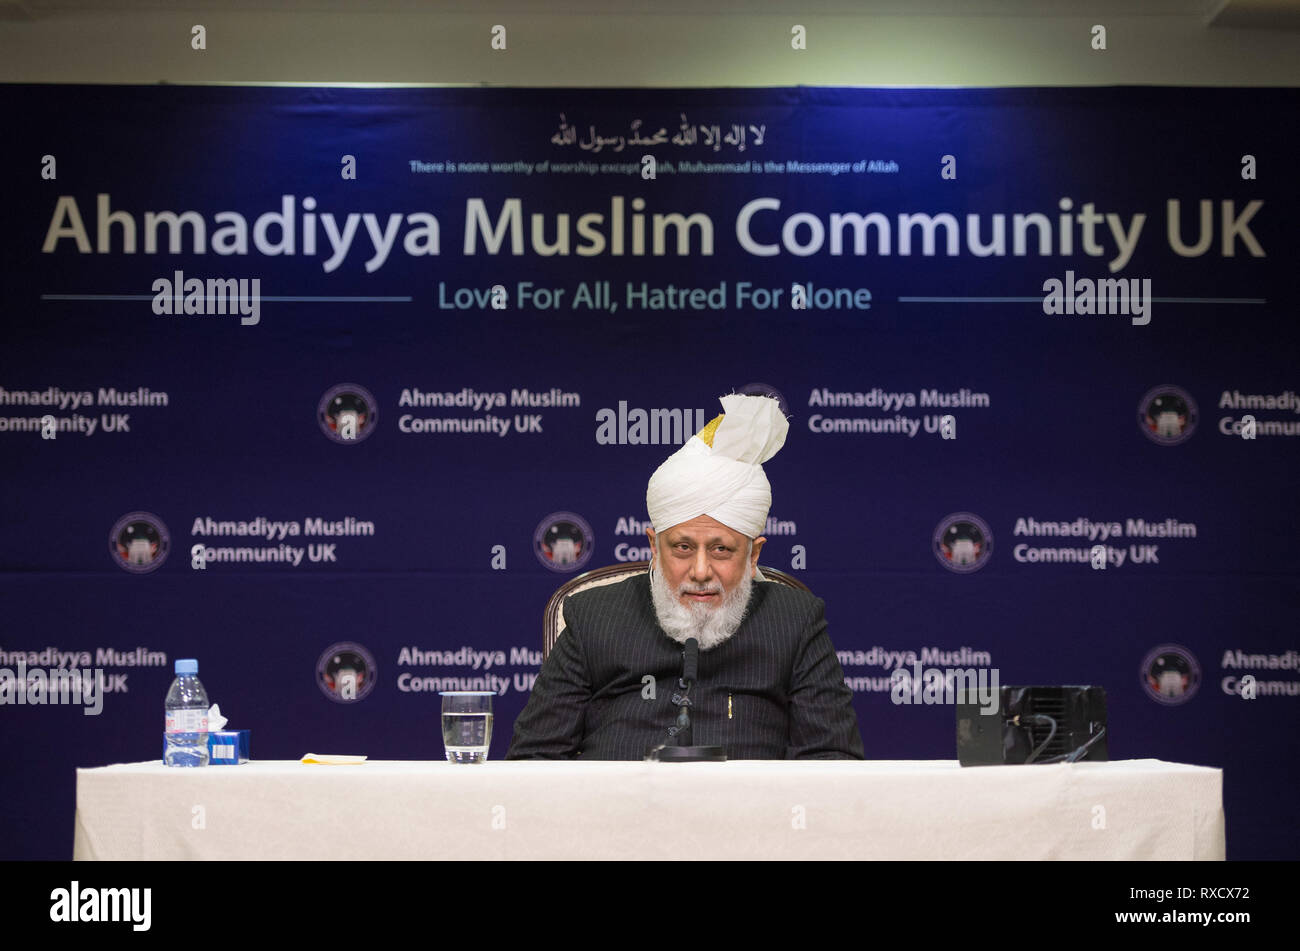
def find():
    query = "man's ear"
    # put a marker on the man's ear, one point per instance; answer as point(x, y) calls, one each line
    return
point(753, 556)
point(654, 549)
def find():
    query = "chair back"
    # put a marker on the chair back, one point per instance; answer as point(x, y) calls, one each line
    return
point(553, 618)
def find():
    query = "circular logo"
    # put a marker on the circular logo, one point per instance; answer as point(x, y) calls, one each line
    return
point(347, 413)
point(563, 542)
point(346, 672)
point(963, 542)
point(139, 542)
point(762, 389)
point(1170, 674)
point(1167, 415)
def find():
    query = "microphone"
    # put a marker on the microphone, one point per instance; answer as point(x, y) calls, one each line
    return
point(681, 732)
point(690, 663)
point(690, 670)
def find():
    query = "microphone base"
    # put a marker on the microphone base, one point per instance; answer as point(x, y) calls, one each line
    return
point(687, 754)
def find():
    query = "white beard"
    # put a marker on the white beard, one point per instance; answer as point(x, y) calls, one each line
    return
point(710, 625)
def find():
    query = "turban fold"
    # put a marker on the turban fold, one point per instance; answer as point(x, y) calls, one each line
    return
point(719, 472)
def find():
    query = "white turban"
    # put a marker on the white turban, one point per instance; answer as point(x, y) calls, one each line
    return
point(719, 472)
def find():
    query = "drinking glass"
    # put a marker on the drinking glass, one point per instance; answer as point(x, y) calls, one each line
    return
point(466, 725)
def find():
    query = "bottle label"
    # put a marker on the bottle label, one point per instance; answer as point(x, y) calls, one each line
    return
point(187, 721)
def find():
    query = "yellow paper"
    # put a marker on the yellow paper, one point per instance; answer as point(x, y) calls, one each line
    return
point(332, 759)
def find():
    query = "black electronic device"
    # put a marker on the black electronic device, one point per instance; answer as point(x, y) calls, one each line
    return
point(1034, 725)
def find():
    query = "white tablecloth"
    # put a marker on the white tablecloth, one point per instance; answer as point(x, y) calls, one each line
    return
point(1135, 809)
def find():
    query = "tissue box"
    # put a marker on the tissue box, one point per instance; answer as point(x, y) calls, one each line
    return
point(227, 747)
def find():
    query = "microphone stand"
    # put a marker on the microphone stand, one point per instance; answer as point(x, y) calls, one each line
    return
point(680, 749)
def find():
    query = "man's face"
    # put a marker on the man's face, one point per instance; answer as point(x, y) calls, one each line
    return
point(703, 559)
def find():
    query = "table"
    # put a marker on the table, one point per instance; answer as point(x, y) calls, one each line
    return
point(805, 809)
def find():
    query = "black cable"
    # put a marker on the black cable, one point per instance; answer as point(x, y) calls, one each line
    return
point(1078, 754)
point(1075, 755)
point(1037, 718)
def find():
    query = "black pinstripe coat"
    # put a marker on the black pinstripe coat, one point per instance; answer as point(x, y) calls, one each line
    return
point(773, 690)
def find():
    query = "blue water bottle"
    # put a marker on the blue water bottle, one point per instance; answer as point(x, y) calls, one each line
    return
point(186, 738)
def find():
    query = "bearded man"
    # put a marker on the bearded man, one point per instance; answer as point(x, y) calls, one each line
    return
point(769, 685)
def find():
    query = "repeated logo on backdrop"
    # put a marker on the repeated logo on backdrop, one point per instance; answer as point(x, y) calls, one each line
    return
point(564, 542)
point(1167, 415)
point(348, 413)
point(139, 542)
point(963, 542)
point(346, 672)
point(1170, 674)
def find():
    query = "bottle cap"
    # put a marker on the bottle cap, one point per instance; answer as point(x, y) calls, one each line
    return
point(188, 666)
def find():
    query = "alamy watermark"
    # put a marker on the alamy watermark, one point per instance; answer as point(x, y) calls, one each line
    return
point(946, 685)
point(58, 685)
point(78, 904)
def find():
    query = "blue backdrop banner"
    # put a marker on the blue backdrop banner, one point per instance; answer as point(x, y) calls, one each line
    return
point(331, 389)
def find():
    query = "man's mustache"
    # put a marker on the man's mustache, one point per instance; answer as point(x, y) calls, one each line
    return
point(688, 588)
